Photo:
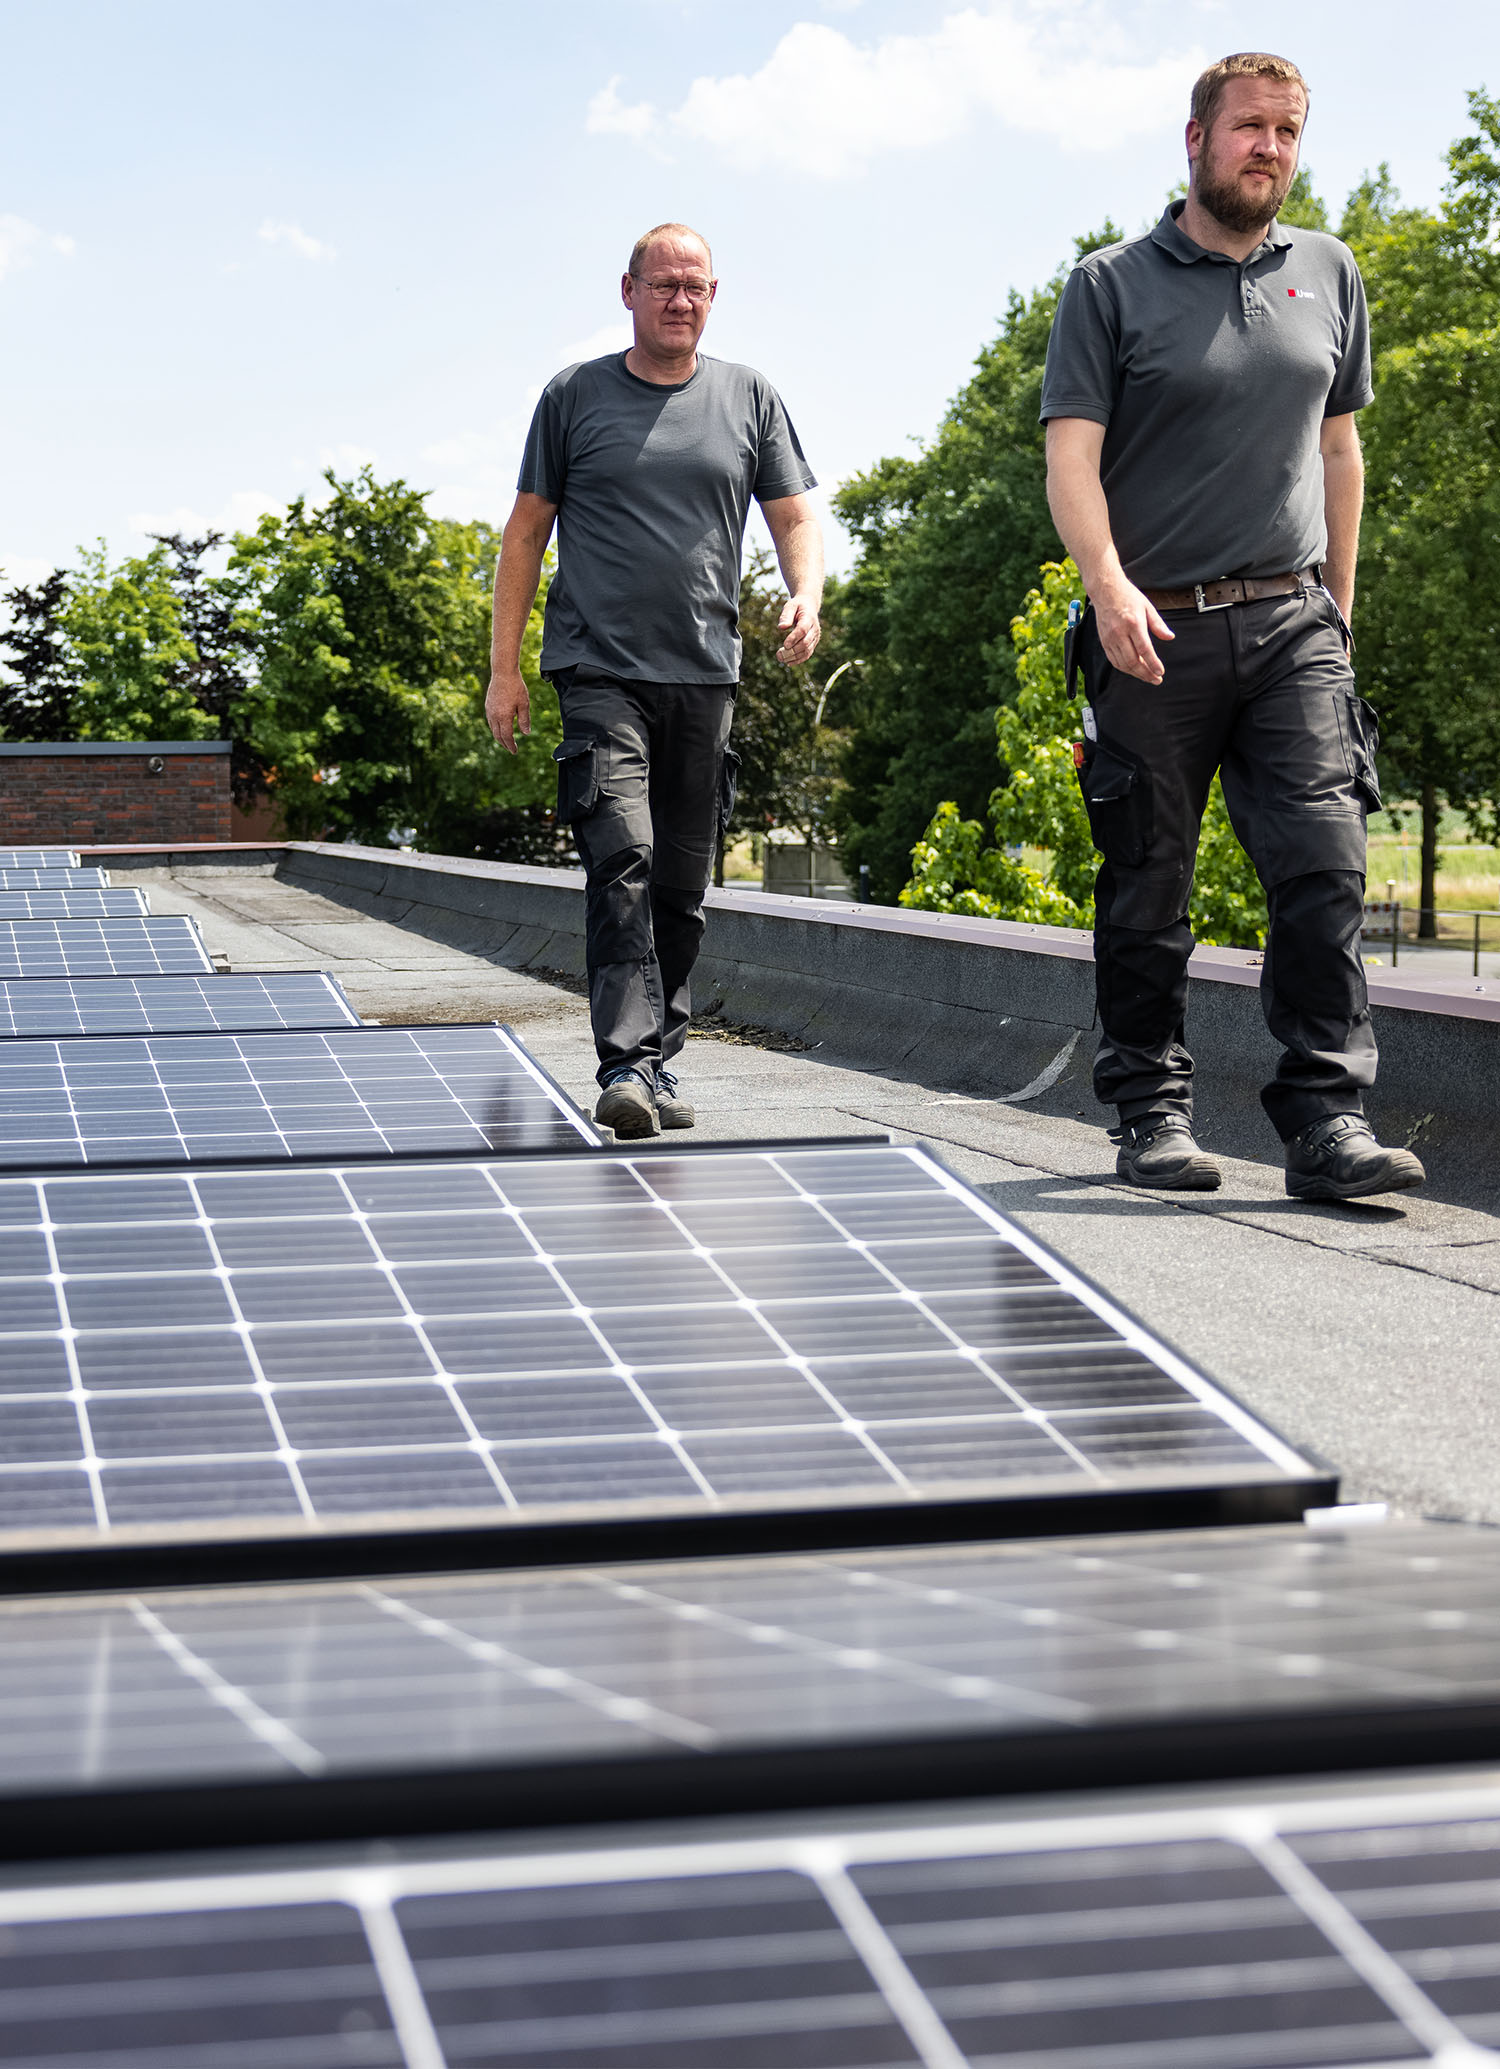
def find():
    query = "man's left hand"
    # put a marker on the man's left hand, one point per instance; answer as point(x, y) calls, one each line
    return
point(799, 621)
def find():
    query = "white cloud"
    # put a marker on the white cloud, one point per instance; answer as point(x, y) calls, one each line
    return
point(822, 104)
point(608, 115)
point(610, 337)
point(346, 457)
point(20, 242)
point(293, 234)
point(22, 570)
point(239, 512)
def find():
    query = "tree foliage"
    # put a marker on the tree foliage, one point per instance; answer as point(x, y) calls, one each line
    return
point(785, 731)
point(956, 867)
point(124, 626)
point(1429, 591)
point(40, 678)
point(948, 543)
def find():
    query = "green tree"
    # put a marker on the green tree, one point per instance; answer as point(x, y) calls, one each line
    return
point(40, 678)
point(369, 624)
point(789, 751)
point(948, 543)
point(132, 657)
point(1428, 571)
point(957, 868)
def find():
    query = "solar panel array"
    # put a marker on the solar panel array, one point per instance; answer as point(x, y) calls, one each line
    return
point(49, 879)
point(70, 905)
point(143, 1099)
point(615, 1485)
point(919, 1670)
point(125, 947)
point(657, 1337)
point(192, 1004)
point(1316, 1930)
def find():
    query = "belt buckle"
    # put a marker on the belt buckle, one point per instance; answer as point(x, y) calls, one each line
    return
point(1201, 604)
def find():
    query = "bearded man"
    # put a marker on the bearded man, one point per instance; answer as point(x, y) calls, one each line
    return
point(1204, 471)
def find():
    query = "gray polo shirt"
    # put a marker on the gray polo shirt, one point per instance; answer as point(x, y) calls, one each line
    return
point(1212, 378)
point(653, 487)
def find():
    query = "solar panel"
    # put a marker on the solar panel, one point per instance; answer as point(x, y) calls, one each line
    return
point(1177, 1931)
point(38, 858)
point(145, 1099)
point(172, 1005)
point(101, 948)
point(53, 879)
point(71, 905)
point(753, 1346)
point(628, 1691)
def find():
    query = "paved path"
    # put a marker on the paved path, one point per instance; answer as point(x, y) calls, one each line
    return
point(1369, 1333)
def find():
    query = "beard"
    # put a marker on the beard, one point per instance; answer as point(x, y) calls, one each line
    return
point(1229, 203)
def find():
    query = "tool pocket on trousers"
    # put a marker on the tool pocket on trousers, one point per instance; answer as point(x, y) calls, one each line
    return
point(577, 780)
point(1361, 729)
point(1117, 798)
point(729, 785)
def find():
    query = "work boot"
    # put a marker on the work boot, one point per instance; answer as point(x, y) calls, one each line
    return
point(671, 1111)
point(627, 1103)
point(1338, 1158)
point(1158, 1150)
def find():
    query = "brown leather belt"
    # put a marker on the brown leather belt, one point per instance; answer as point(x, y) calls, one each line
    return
point(1218, 596)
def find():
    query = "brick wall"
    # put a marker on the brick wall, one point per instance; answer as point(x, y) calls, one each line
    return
point(81, 794)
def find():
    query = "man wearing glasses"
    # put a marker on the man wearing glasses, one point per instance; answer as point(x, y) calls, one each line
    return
point(646, 460)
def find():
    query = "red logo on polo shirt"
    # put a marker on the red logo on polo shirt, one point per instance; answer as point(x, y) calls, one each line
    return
point(1300, 294)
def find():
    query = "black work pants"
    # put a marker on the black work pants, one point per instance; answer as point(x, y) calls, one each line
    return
point(646, 782)
point(1262, 693)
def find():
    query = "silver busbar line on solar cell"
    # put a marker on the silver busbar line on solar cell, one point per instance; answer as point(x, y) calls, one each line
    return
point(343, 1367)
point(1262, 1929)
point(280, 1712)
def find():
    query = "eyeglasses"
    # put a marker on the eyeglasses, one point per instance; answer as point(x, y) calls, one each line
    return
point(665, 290)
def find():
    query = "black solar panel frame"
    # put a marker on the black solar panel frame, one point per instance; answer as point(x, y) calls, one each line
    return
point(589, 1136)
point(435, 1541)
point(347, 1019)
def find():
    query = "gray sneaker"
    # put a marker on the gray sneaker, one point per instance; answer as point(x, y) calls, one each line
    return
point(671, 1109)
point(1158, 1150)
point(627, 1104)
point(1338, 1158)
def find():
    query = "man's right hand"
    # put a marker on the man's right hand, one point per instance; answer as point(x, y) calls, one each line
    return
point(1127, 622)
point(507, 706)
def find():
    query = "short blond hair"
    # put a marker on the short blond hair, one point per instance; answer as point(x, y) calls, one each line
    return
point(1208, 91)
point(644, 243)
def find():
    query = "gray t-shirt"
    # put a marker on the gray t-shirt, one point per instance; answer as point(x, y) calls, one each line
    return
point(1213, 379)
point(653, 488)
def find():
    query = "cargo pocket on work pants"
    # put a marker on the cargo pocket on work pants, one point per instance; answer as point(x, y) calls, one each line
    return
point(577, 780)
point(1361, 730)
point(729, 785)
point(1117, 798)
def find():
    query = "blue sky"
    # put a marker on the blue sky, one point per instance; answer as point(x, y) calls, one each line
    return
point(240, 244)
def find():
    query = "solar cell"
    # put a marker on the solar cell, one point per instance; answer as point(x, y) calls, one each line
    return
point(200, 1098)
point(172, 1005)
point(38, 858)
point(588, 1344)
point(71, 905)
point(623, 1691)
point(53, 879)
point(1176, 1931)
point(129, 946)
